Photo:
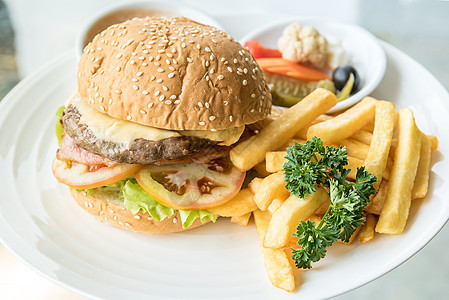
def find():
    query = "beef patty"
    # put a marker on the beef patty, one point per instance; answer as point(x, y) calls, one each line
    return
point(182, 149)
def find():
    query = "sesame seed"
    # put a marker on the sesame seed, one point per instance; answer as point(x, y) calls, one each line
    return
point(102, 108)
point(165, 88)
point(230, 118)
point(135, 87)
point(120, 222)
point(168, 102)
point(168, 61)
point(245, 82)
point(161, 51)
point(252, 110)
point(158, 57)
point(132, 62)
point(212, 118)
point(134, 79)
point(133, 53)
point(177, 101)
point(198, 46)
point(119, 55)
point(160, 70)
point(138, 74)
point(173, 97)
point(101, 99)
point(225, 103)
point(220, 77)
point(144, 64)
point(206, 104)
point(118, 69)
point(183, 45)
point(171, 75)
point(142, 111)
point(189, 59)
point(159, 80)
point(162, 97)
point(245, 70)
point(253, 95)
point(169, 54)
point(175, 220)
point(212, 71)
point(207, 63)
point(110, 101)
point(150, 105)
point(145, 51)
point(118, 91)
point(141, 57)
point(207, 49)
point(202, 123)
point(128, 117)
point(235, 60)
point(200, 104)
point(111, 211)
point(145, 92)
point(150, 58)
point(213, 129)
point(230, 69)
point(171, 68)
point(157, 64)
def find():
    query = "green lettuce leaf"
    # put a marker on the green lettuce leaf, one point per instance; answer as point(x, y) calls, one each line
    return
point(58, 127)
point(189, 216)
point(136, 199)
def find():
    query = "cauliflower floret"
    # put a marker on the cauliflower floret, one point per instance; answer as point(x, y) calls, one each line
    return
point(303, 44)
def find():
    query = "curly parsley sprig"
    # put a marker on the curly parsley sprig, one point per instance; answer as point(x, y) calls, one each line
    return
point(313, 164)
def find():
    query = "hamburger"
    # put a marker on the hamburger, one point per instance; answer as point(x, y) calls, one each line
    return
point(145, 140)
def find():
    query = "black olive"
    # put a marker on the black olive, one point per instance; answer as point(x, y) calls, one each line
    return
point(341, 75)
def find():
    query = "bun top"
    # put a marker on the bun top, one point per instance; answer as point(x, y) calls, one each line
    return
point(173, 73)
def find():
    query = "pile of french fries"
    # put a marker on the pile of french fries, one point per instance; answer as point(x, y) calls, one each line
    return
point(388, 144)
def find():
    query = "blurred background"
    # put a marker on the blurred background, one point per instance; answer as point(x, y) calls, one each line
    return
point(32, 33)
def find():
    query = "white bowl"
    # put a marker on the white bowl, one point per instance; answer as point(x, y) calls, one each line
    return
point(118, 13)
point(363, 49)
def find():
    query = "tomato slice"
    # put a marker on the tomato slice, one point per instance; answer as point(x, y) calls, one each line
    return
point(81, 176)
point(191, 186)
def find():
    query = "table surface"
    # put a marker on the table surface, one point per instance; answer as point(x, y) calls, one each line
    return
point(419, 28)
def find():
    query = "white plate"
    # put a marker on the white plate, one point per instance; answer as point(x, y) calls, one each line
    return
point(43, 226)
point(364, 51)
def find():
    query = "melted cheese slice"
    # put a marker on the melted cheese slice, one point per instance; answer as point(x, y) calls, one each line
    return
point(125, 132)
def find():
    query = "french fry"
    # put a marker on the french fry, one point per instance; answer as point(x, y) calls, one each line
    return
point(241, 220)
point(396, 208)
point(275, 160)
point(252, 151)
point(323, 208)
point(345, 124)
point(377, 157)
point(240, 204)
point(271, 187)
point(355, 148)
point(434, 142)
point(378, 201)
point(254, 184)
point(278, 266)
point(363, 136)
point(302, 134)
point(275, 204)
point(261, 169)
point(422, 174)
point(354, 163)
point(287, 217)
point(367, 232)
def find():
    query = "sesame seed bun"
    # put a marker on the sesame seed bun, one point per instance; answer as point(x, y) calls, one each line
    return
point(106, 207)
point(173, 73)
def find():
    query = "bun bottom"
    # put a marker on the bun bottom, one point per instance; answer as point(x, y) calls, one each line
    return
point(107, 208)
